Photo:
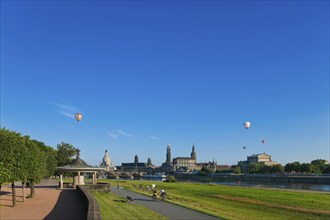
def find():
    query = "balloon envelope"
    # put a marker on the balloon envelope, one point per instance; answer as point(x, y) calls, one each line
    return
point(247, 125)
point(78, 116)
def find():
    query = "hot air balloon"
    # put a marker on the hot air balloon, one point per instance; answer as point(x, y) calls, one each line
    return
point(244, 147)
point(78, 116)
point(247, 125)
point(263, 141)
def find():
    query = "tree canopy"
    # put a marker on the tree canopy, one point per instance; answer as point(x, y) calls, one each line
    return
point(64, 154)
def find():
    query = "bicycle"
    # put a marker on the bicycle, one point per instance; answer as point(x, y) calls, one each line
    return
point(154, 197)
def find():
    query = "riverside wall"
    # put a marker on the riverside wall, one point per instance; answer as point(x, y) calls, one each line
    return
point(267, 178)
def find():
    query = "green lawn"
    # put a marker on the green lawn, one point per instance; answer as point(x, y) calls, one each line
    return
point(234, 202)
point(114, 207)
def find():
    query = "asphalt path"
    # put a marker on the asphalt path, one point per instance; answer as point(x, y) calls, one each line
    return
point(166, 209)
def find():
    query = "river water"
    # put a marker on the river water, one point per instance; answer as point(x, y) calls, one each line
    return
point(297, 186)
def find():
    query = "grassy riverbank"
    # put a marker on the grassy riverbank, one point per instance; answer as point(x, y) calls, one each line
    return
point(114, 207)
point(234, 202)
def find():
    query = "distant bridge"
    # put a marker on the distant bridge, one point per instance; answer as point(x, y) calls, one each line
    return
point(122, 174)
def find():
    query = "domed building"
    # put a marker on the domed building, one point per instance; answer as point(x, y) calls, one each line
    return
point(106, 162)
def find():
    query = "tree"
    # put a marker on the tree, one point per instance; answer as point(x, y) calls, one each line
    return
point(326, 169)
point(292, 167)
point(254, 168)
point(64, 153)
point(265, 169)
point(11, 149)
point(4, 174)
point(50, 156)
point(319, 165)
point(278, 168)
point(309, 168)
point(205, 170)
point(237, 169)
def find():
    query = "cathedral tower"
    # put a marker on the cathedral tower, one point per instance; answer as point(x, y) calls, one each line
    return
point(136, 161)
point(193, 153)
point(168, 155)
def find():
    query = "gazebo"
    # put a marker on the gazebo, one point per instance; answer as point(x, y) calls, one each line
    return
point(77, 167)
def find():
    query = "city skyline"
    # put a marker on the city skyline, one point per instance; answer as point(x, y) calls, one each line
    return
point(146, 74)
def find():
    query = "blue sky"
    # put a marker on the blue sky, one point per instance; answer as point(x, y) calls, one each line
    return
point(148, 73)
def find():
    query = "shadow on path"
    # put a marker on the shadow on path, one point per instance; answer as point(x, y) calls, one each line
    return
point(68, 207)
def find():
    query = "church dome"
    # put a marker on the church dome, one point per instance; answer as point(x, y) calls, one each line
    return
point(106, 159)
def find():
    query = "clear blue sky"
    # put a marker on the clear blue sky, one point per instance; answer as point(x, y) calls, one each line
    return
point(145, 74)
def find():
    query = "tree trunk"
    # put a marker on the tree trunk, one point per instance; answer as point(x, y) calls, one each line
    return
point(23, 191)
point(33, 194)
point(13, 193)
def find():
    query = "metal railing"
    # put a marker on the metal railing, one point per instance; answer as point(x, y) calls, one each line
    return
point(104, 187)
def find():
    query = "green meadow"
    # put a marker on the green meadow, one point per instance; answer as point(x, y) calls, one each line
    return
point(234, 202)
point(115, 207)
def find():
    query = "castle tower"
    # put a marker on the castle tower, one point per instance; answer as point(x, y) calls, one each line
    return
point(193, 153)
point(168, 155)
point(149, 162)
point(136, 160)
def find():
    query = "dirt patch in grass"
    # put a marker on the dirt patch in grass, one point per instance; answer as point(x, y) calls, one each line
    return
point(257, 202)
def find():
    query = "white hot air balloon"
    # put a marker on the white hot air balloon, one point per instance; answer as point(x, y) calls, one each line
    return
point(247, 125)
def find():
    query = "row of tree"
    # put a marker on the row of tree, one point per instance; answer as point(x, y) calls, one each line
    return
point(28, 160)
point(315, 167)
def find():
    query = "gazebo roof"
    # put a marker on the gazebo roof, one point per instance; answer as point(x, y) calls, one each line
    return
point(78, 165)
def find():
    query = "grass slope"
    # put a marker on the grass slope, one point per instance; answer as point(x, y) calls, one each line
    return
point(234, 202)
point(114, 207)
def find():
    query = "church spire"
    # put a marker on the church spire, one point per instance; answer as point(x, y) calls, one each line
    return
point(193, 153)
point(168, 154)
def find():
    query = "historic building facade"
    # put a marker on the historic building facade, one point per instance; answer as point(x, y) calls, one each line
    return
point(262, 158)
point(180, 164)
point(147, 167)
point(185, 164)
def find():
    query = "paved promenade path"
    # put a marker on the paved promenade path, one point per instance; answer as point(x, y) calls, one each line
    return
point(50, 203)
point(166, 209)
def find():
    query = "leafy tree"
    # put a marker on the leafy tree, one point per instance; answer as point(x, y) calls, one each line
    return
point(64, 154)
point(205, 170)
point(278, 168)
point(50, 156)
point(309, 168)
point(237, 169)
point(265, 169)
point(11, 149)
point(254, 168)
point(4, 174)
point(326, 169)
point(292, 167)
point(319, 164)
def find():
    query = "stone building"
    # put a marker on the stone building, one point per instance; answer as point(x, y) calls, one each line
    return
point(262, 158)
point(107, 163)
point(179, 164)
point(212, 166)
point(185, 164)
point(167, 167)
point(137, 166)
